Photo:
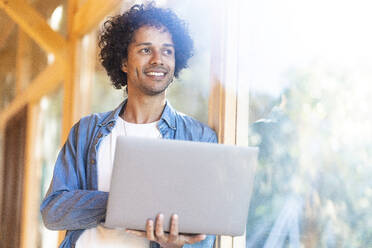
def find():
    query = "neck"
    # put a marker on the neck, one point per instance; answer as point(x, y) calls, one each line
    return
point(144, 109)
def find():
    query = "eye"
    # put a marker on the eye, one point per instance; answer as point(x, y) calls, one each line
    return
point(168, 52)
point(145, 50)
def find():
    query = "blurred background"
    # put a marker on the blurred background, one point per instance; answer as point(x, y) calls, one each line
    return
point(292, 77)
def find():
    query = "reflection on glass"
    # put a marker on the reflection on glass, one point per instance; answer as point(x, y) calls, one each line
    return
point(310, 92)
point(47, 144)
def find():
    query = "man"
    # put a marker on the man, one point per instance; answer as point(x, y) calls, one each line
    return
point(142, 50)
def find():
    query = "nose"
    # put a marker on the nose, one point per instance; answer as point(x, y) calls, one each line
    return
point(156, 58)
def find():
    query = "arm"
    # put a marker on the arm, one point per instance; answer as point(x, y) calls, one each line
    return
point(74, 209)
point(212, 138)
point(66, 206)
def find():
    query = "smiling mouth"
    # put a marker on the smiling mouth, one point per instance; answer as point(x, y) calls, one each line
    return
point(155, 74)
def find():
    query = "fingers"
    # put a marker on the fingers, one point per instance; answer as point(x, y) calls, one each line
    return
point(159, 236)
point(150, 230)
point(159, 231)
point(173, 232)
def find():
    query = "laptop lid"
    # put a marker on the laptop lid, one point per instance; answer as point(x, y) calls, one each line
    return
point(207, 185)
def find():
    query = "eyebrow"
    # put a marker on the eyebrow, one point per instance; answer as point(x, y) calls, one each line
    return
point(149, 44)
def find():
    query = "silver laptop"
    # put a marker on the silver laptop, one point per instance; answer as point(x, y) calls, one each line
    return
point(207, 185)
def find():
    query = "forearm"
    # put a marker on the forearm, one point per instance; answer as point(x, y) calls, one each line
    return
point(76, 209)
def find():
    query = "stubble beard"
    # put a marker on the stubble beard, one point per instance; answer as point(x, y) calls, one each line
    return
point(153, 92)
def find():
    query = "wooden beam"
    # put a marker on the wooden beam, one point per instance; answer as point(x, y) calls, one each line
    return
point(69, 83)
point(91, 14)
point(34, 25)
point(23, 61)
point(47, 81)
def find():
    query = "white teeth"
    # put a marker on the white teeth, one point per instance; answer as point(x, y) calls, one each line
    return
point(158, 74)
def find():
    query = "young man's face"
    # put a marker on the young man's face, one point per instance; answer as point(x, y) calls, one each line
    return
point(151, 61)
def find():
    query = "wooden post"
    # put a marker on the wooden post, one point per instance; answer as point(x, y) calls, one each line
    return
point(228, 105)
point(31, 184)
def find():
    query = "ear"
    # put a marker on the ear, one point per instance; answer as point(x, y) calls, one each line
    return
point(124, 66)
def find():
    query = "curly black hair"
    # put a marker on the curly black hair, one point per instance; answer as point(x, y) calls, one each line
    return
point(119, 30)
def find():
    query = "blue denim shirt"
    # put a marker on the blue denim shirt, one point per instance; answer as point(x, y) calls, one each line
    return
point(73, 202)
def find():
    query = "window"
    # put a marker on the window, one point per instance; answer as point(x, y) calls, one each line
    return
point(308, 66)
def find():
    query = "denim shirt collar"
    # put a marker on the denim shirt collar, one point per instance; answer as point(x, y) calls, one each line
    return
point(168, 115)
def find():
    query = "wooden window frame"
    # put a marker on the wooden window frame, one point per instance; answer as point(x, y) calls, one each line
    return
point(229, 99)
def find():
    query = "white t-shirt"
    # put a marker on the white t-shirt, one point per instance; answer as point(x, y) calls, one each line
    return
point(101, 236)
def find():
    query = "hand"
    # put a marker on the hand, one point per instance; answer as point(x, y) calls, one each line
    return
point(171, 240)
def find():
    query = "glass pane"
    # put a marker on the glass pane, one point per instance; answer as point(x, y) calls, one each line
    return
point(47, 146)
point(309, 68)
point(8, 54)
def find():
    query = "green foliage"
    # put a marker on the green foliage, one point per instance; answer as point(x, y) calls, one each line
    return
point(315, 145)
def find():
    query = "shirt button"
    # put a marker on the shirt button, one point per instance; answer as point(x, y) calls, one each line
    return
point(92, 161)
point(99, 135)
